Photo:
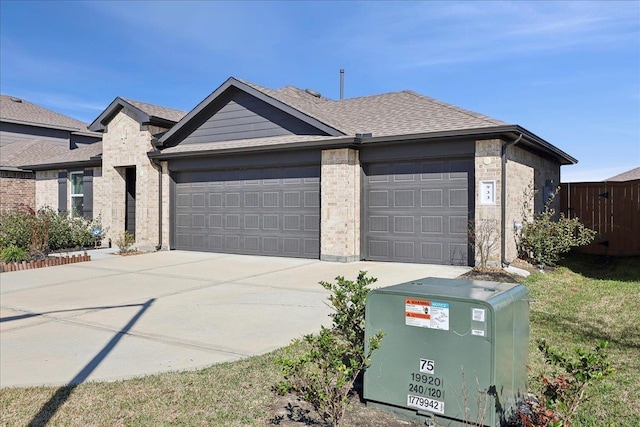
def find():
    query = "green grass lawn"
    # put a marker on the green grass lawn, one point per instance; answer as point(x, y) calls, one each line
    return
point(587, 299)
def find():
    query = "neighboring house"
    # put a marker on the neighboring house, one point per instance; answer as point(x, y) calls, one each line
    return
point(31, 134)
point(250, 170)
point(630, 175)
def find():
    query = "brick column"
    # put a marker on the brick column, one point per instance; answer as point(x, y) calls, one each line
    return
point(488, 167)
point(340, 206)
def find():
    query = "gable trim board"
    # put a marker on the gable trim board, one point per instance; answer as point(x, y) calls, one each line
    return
point(216, 176)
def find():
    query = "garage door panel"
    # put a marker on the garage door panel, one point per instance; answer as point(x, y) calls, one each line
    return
point(416, 211)
point(268, 211)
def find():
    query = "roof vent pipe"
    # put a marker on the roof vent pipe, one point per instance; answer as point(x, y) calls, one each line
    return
point(313, 93)
point(341, 84)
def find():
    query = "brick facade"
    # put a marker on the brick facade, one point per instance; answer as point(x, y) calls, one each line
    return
point(340, 205)
point(47, 189)
point(126, 144)
point(524, 170)
point(17, 190)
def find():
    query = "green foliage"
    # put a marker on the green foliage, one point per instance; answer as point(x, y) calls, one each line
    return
point(545, 238)
point(14, 254)
point(324, 374)
point(564, 390)
point(348, 299)
point(15, 228)
point(125, 242)
point(35, 231)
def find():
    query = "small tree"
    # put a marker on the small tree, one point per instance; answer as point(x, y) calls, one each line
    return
point(544, 239)
point(484, 237)
point(332, 360)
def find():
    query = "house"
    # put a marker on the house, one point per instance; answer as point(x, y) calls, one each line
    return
point(287, 172)
point(629, 175)
point(30, 134)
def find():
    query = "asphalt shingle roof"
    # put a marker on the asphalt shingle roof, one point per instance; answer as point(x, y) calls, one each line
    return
point(629, 175)
point(69, 156)
point(16, 109)
point(20, 153)
point(157, 110)
point(388, 114)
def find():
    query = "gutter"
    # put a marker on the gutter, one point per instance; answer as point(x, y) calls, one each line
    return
point(503, 199)
point(347, 142)
point(157, 163)
point(525, 137)
point(65, 165)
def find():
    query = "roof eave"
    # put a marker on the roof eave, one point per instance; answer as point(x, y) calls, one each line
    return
point(41, 125)
point(160, 122)
point(512, 131)
point(346, 142)
point(64, 165)
point(88, 133)
point(14, 169)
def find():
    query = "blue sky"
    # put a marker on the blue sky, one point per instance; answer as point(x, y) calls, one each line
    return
point(567, 71)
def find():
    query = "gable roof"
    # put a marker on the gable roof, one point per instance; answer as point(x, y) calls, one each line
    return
point(199, 113)
point(386, 114)
point(629, 175)
point(387, 117)
point(17, 110)
point(144, 113)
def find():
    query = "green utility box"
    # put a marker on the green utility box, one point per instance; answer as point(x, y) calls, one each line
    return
point(453, 350)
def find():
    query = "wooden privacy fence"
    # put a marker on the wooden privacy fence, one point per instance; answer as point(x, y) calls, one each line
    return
point(610, 208)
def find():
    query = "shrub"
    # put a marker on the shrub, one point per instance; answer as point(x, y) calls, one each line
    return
point(14, 254)
point(125, 242)
point(332, 360)
point(544, 239)
point(565, 389)
point(15, 228)
point(46, 228)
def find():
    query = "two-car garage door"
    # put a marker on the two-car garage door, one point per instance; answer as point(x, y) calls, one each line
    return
point(271, 211)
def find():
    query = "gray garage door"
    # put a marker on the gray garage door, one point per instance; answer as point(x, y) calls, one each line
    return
point(256, 211)
point(417, 212)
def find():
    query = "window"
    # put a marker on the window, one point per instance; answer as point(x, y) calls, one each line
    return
point(77, 194)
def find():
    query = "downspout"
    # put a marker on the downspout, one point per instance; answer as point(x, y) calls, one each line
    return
point(503, 199)
point(157, 163)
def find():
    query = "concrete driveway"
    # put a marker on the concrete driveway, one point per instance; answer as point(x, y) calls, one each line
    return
point(121, 317)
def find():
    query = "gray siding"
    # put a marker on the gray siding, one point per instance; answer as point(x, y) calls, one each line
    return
point(243, 116)
point(11, 132)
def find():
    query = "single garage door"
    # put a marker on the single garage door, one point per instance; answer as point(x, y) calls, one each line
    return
point(272, 211)
point(417, 212)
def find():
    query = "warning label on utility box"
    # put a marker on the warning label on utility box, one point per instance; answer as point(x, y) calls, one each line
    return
point(426, 314)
